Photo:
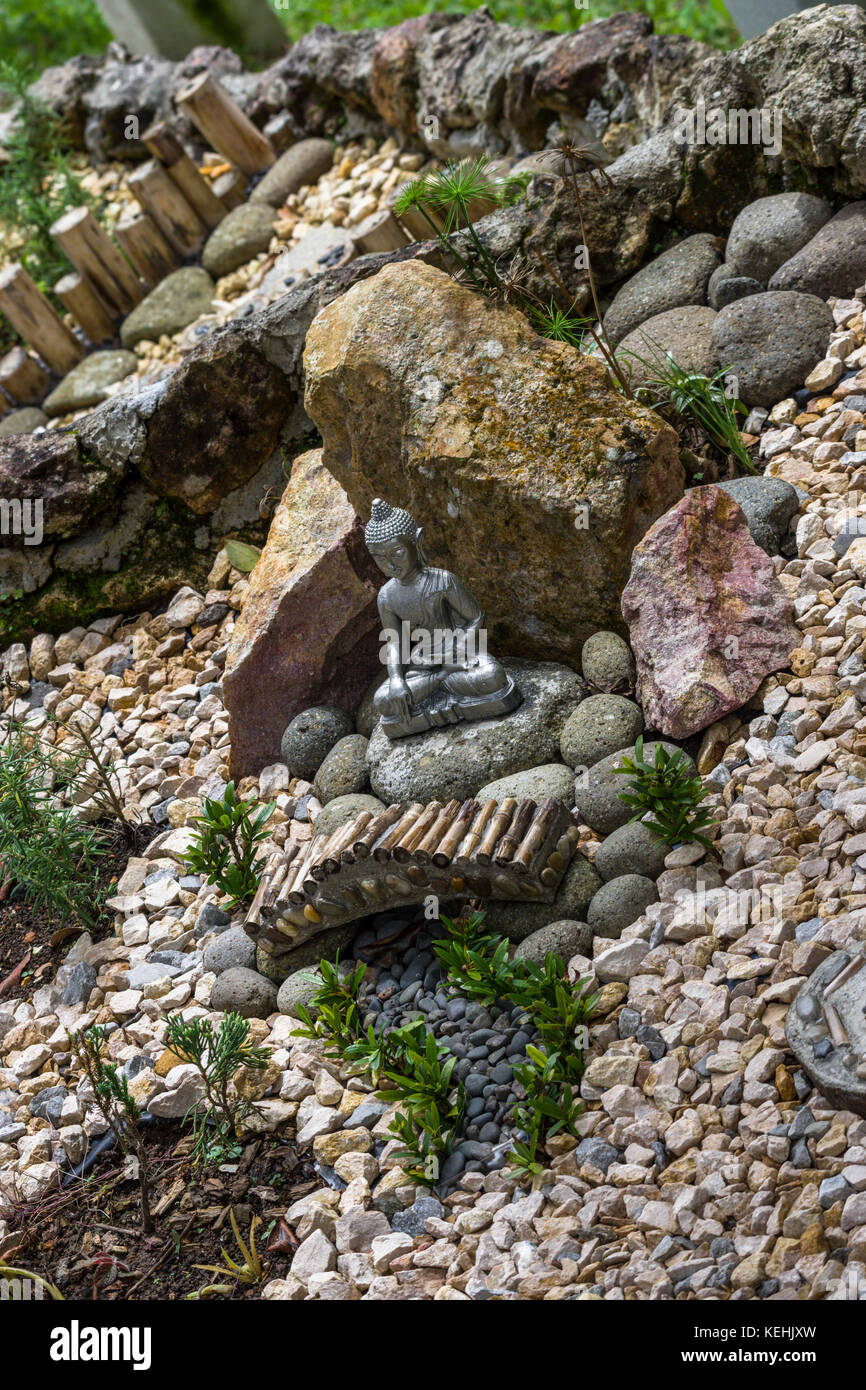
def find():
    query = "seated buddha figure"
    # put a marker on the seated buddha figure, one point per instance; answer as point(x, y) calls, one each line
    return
point(434, 643)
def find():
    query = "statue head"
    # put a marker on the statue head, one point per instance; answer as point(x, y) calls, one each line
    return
point(394, 538)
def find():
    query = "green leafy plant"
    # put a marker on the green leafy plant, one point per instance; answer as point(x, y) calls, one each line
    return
point(10, 1272)
point(35, 36)
point(432, 1104)
point(700, 400)
point(250, 1272)
point(560, 325)
point(117, 1105)
point(666, 796)
point(337, 1017)
point(225, 847)
point(54, 857)
point(549, 1107)
point(217, 1054)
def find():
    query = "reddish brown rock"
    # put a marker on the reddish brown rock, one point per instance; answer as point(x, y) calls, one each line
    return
point(308, 633)
point(708, 619)
point(533, 478)
point(393, 75)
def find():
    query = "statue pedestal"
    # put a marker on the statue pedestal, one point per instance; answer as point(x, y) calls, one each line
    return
point(455, 761)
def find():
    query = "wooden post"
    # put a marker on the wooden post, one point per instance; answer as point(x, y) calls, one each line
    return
point(416, 226)
point(224, 125)
point(37, 322)
point(280, 132)
point(379, 232)
point(165, 146)
point(147, 248)
point(231, 188)
point(162, 200)
point(22, 377)
point(86, 306)
point(95, 255)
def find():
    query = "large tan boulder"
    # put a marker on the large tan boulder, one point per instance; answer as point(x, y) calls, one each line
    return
point(308, 633)
point(533, 477)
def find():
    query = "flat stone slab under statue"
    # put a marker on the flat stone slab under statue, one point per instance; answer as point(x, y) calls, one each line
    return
point(826, 1028)
point(456, 760)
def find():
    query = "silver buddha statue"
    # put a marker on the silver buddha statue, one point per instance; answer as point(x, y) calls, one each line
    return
point(434, 642)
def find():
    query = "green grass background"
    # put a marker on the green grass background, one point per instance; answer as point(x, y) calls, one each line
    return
point(36, 33)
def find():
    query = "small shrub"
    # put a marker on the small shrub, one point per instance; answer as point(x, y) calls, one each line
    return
point(118, 1107)
point(53, 856)
point(666, 796)
point(700, 401)
point(338, 1018)
point(225, 851)
point(217, 1054)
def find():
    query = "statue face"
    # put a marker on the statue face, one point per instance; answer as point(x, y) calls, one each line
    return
point(397, 558)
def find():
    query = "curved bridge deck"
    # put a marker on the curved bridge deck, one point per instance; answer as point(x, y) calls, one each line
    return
point(513, 850)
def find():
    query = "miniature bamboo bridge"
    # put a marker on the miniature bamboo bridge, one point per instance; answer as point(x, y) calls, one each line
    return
point(514, 850)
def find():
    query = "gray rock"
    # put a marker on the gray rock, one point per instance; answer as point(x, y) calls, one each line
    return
point(518, 920)
point(243, 233)
point(87, 384)
point(342, 809)
point(598, 790)
point(456, 760)
point(367, 716)
point(245, 992)
point(536, 784)
point(600, 725)
point(303, 163)
point(771, 342)
point(343, 771)
point(685, 334)
point(80, 985)
point(231, 948)
point(47, 1104)
point(607, 662)
point(325, 945)
point(833, 1190)
point(177, 301)
point(768, 505)
point(564, 939)
point(771, 230)
point(411, 1222)
point(726, 288)
point(145, 972)
point(619, 903)
point(677, 277)
point(211, 918)
point(597, 1152)
point(833, 262)
point(632, 849)
point(310, 737)
point(296, 989)
point(23, 421)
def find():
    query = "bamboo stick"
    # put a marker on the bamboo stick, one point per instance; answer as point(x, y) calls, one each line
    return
point(451, 839)
point(147, 248)
point(164, 145)
point(36, 321)
point(510, 842)
point(415, 834)
point(424, 850)
point(96, 257)
point(224, 125)
point(537, 832)
point(838, 1034)
point(163, 201)
point(473, 836)
point(23, 378)
point(86, 306)
point(497, 827)
point(329, 860)
point(850, 970)
point(378, 825)
point(382, 850)
point(295, 893)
